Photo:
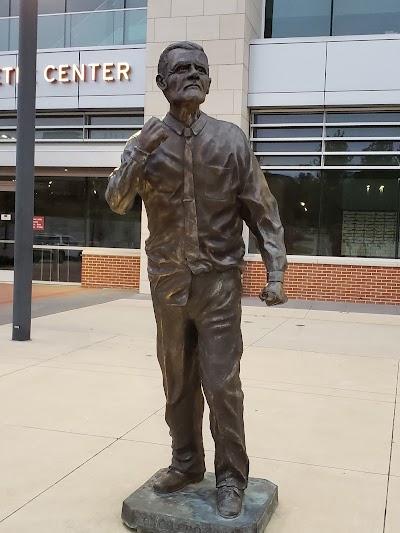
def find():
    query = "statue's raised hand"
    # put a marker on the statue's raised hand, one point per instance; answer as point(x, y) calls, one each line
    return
point(153, 133)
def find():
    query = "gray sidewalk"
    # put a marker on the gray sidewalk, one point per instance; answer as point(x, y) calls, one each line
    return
point(81, 416)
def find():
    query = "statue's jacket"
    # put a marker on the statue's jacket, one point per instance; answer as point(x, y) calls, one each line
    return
point(198, 186)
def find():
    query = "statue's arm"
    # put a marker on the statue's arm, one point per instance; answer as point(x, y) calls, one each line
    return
point(123, 182)
point(261, 214)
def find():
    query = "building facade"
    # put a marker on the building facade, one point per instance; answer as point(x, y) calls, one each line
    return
point(311, 82)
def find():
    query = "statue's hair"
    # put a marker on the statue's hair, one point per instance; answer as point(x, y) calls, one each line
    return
point(185, 45)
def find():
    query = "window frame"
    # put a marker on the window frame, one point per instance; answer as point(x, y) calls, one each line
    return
point(85, 126)
point(323, 168)
point(331, 36)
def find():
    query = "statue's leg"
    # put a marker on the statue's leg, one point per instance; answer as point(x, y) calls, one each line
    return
point(178, 358)
point(220, 349)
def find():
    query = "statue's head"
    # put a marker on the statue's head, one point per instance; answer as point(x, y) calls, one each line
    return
point(183, 73)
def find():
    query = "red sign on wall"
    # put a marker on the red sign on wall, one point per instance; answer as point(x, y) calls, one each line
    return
point(38, 223)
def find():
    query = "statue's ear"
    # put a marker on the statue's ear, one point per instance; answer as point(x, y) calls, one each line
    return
point(161, 82)
point(209, 84)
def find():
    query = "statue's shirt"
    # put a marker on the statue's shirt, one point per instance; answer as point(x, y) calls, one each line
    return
point(198, 186)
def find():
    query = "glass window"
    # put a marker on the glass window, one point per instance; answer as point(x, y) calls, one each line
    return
point(93, 29)
point(62, 202)
point(58, 134)
point(51, 6)
point(4, 8)
point(73, 6)
point(363, 160)
point(77, 214)
point(44, 7)
point(289, 160)
point(60, 6)
point(298, 196)
point(65, 120)
point(307, 18)
point(134, 26)
point(51, 32)
point(135, 3)
point(363, 117)
point(288, 118)
point(363, 131)
point(116, 120)
point(355, 195)
point(289, 146)
point(113, 120)
point(297, 18)
point(8, 135)
point(362, 146)
point(7, 202)
point(76, 127)
point(14, 34)
point(111, 134)
point(14, 8)
point(364, 17)
point(359, 213)
point(104, 227)
point(8, 121)
point(4, 34)
point(286, 133)
point(44, 130)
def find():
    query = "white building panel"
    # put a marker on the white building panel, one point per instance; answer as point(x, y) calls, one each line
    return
point(360, 98)
point(287, 68)
point(8, 65)
point(133, 101)
point(8, 104)
point(257, 100)
point(56, 102)
point(120, 73)
point(363, 65)
point(52, 77)
point(93, 155)
point(86, 79)
point(60, 154)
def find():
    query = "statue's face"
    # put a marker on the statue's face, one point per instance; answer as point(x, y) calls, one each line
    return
point(187, 78)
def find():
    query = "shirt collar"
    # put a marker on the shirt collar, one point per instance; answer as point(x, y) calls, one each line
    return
point(179, 128)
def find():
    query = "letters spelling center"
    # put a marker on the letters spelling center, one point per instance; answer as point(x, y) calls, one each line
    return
point(108, 72)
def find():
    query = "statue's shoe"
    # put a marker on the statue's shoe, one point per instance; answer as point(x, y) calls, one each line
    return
point(229, 501)
point(173, 481)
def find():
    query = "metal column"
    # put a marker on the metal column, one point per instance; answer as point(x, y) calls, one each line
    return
point(25, 171)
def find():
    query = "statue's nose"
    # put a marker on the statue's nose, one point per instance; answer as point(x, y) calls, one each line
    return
point(193, 73)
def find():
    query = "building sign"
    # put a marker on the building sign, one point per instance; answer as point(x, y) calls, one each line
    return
point(65, 73)
point(80, 79)
point(5, 217)
point(38, 223)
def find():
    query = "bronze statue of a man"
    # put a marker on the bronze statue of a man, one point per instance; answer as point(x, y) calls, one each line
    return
point(199, 180)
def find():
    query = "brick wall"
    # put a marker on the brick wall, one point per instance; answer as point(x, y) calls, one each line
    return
point(338, 283)
point(304, 281)
point(110, 271)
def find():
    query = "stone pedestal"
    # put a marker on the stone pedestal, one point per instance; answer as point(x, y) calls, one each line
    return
point(193, 509)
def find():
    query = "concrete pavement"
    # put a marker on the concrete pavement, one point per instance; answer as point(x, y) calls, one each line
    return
point(81, 416)
point(48, 299)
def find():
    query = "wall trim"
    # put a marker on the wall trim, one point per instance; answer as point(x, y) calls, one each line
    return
point(325, 260)
point(122, 252)
point(326, 39)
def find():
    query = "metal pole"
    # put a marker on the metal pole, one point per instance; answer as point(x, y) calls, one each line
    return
point(25, 171)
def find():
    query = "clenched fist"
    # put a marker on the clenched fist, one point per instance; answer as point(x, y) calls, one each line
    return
point(153, 133)
point(273, 294)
